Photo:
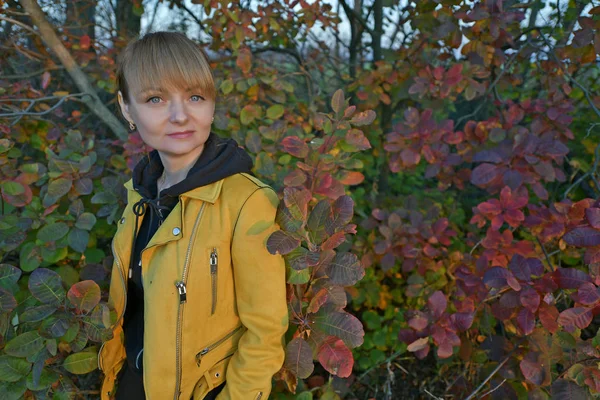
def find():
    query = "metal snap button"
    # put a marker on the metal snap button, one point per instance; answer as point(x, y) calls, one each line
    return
point(176, 231)
point(217, 375)
point(123, 220)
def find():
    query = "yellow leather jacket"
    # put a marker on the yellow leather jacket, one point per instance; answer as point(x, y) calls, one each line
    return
point(214, 297)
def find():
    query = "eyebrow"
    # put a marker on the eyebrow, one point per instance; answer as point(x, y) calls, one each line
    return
point(162, 90)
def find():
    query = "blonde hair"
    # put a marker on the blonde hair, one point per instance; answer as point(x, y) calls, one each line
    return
point(164, 60)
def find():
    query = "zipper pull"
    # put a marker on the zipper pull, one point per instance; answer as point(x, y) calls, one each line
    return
point(130, 273)
point(200, 355)
point(213, 261)
point(182, 292)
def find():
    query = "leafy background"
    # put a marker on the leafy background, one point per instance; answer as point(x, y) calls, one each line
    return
point(437, 163)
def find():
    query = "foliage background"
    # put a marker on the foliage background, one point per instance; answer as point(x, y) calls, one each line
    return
point(472, 193)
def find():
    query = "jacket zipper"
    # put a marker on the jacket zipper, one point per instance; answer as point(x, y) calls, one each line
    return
point(213, 278)
point(181, 288)
point(124, 296)
point(216, 344)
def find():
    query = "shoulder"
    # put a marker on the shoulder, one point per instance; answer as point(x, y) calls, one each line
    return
point(242, 187)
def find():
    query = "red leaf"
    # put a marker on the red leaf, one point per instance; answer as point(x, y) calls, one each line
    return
point(244, 60)
point(575, 317)
point(483, 174)
point(296, 200)
point(336, 357)
point(338, 102)
point(351, 178)
point(295, 146)
point(334, 241)
point(583, 237)
point(570, 278)
point(45, 79)
point(588, 294)
point(437, 304)
point(410, 157)
point(530, 299)
point(532, 369)
point(356, 138)
point(592, 255)
point(295, 178)
point(548, 317)
point(526, 321)
point(419, 322)
point(84, 42)
point(318, 300)
point(592, 215)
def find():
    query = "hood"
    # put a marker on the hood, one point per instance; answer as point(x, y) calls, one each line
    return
point(219, 159)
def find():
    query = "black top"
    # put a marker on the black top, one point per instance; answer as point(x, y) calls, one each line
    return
point(220, 158)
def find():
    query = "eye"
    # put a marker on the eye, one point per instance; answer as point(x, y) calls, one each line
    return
point(153, 100)
point(196, 97)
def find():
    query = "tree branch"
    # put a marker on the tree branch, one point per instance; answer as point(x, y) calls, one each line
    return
point(350, 12)
point(81, 80)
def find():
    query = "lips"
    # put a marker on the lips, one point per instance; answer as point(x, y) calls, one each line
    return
point(181, 135)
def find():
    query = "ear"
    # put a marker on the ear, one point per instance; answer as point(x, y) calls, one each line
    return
point(124, 107)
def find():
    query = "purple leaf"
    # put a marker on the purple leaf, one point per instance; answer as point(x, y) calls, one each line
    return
point(298, 358)
point(496, 277)
point(583, 237)
point(281, 243)
point(588, 294)
point(437, 304)
point(570, 278)
point(526, 321)
point(530, 299)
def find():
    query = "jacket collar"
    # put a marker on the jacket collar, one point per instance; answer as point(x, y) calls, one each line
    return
point(209, 193)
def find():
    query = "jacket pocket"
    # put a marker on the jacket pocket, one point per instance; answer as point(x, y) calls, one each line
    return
point(214, 270)
point(216, 344)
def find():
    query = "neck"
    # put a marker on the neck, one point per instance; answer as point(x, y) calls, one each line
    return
point(177, 167)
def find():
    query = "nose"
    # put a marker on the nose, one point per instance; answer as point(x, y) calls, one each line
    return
point(177, 113)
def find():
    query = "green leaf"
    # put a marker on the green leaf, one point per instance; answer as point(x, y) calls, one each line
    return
point(86, 221)
point(57, 189)
point(341, 324)
point(297, 277)
point(81, 363)
point(78, 239)
point(84, 295)
point(317, 221)
point(7, 301)
point(12, 369)
point(300, 258)
point(14, 390)
point(30, 257)
point(13, 188)
point(9, 275)
point(226, 86)
point(338, 103)
point(46, 286)
point(52, 232)
point(55, 326)
point(47, 378)
point(25, 345)
point(38, 313)
point(275, 112)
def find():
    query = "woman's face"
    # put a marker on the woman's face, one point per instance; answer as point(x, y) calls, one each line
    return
point(173, 121)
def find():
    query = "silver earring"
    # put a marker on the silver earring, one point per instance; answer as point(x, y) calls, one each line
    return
point(213, 119)
point(131, 126)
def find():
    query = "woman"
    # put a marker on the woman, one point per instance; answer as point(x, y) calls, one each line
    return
point(199, 301)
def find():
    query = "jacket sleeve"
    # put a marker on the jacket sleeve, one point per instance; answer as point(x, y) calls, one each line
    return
point(260, 288)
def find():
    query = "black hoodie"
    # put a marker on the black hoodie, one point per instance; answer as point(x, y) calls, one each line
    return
point(220, 158)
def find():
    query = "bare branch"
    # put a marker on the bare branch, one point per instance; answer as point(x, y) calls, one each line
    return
point(32, 74)
point(20, 114)
point(81, 80)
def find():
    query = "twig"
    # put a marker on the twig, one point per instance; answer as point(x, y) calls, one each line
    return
point(493, 390)
point(32, 74)
point(432, 395)
point(545, 253)
point(472, 395)
point(19, 23)
point(20, 114)
point(390, 358)
point(588, 173)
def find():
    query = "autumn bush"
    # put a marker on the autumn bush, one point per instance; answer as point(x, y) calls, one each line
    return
point(438, 181)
